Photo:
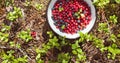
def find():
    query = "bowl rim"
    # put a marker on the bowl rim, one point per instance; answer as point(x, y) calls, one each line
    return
point(71, 36)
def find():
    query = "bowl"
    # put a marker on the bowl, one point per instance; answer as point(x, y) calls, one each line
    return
point(75, 35)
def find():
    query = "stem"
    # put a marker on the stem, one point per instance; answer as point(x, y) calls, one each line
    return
point(24, 53)
point(110, 32)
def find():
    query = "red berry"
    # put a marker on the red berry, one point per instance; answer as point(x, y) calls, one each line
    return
point(71, 23)
point(33, 34)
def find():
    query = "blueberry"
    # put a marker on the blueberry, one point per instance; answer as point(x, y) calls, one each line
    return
point(60, 3)
point(61, 21)
point(53, 8)
point(73, 13)
point(55, 24)
point(61, 30)
point(66, 23)
point(67, 0)
point(52, 17)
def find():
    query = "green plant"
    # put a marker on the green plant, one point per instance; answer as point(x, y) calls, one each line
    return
point(53, 42)
point(5, 28)
point(39, 54)
point(10, 58)
point(89, 37)
point(12, 44)
point(63, 58)
point(38, 6)
point(113, 38)
point(113, 51)
point(113, 19)
point(99, 43)
point(9, 2)
point(101, 3)
point(77, 51)
point(15, 14)
point(63, 41)
point(118, 35)
point(117, 1)
point(103, 27)
point(25, 35)
point(4, 37)
point(27, 3)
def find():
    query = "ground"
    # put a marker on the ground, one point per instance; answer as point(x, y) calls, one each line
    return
point(36, 21)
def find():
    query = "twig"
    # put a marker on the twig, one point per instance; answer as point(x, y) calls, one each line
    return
point(108, 26)
point(107, 23)
point(24, 53)
point(2, 16)
point(3, 47)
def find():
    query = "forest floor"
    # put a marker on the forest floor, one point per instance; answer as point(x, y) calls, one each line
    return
point(36, 21)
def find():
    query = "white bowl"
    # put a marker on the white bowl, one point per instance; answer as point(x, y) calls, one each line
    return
point(76, 35)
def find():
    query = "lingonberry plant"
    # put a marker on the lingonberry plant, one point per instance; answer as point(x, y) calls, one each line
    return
point(16, 13)
point(9, 2)
point(27, 3)
point(5, 28)
point(103, 27)
point(25, 35)
point(10, 58)
point(101, 3)
point(78, 52)
point(117, 1)
point(53, 42)
point(15, 45)
point(4, 35)
point(63, 58)
point(113, 19)
point(113, 51)
point(71, 16)
point(38, 6)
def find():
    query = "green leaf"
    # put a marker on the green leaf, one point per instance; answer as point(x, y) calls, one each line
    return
point(61, 9)
point(74, 52)
point(63, 27)
point(117, 1)
point(79, 51)
point(74, 46)
point(38, 6)
point(113, 37)
point(38, 56)
point(101, 3)
point(113, 19)
point(118, 35)
point(103, 27)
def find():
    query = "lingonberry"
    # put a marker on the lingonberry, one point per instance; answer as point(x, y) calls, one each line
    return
point(33, 34)
point(71, 16)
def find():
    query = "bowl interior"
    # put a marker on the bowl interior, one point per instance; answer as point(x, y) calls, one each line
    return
point(71, 36)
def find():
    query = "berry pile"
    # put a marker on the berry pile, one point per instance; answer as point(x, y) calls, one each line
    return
point(71, 16)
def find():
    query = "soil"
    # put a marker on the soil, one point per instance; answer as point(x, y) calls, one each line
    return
point(37, 21)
